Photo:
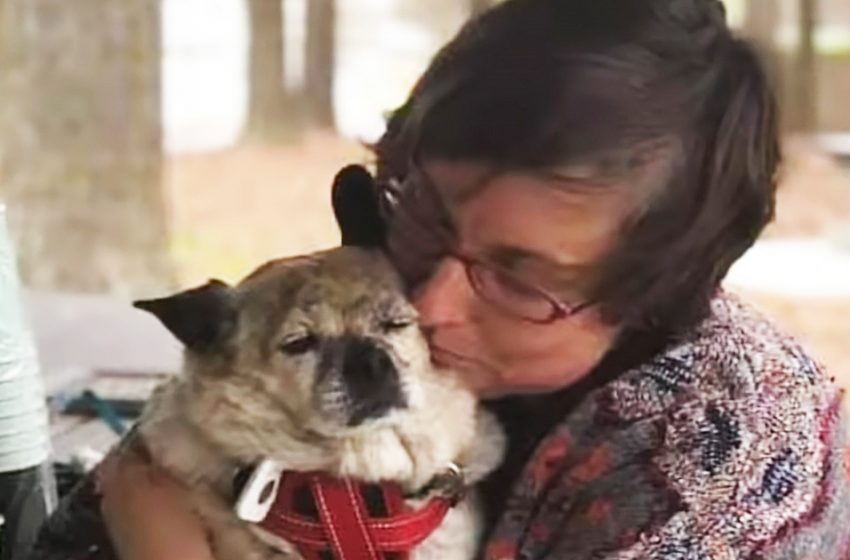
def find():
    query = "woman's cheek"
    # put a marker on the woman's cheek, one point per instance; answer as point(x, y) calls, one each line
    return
point(561, 349)
point(511, 339)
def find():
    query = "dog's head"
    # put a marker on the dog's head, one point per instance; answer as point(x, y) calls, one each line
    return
point(319, 345)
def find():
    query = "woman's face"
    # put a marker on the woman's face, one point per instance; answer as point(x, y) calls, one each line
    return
point(545, 234)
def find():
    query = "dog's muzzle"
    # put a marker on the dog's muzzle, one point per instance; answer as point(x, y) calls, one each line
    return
point(368, 375)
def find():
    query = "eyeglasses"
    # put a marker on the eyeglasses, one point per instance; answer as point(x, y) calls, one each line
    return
point(513, 295)
point(422, 235)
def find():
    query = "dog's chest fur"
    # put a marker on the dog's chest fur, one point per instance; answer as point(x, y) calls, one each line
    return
point(183, 433)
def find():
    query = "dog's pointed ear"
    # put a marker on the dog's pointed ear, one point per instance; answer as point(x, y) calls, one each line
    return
point(201, 318)
point(356, 207)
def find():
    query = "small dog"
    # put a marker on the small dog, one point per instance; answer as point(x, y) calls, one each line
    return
point(314, 365)
point(317, 363)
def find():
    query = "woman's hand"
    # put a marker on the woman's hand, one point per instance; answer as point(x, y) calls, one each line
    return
point(147, 513)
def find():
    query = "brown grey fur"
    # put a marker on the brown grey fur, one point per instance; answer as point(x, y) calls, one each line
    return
point(246, 400)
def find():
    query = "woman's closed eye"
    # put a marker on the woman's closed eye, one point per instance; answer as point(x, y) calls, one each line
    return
point(510, 284)
point(496, 282)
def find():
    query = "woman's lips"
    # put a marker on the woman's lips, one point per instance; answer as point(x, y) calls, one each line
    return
point(446, 358)
point(443, 357)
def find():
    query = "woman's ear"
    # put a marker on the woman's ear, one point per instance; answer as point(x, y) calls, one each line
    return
point(356, 207)
point(202, 318)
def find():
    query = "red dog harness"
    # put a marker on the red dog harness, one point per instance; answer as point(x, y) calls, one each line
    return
point(344, 519)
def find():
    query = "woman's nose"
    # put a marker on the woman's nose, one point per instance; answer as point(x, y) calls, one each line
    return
point(444, 297)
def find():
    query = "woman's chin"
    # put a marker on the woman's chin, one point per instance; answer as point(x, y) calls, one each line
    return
point(478, 376)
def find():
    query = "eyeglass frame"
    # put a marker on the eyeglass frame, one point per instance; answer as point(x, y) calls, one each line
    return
point(560, 309)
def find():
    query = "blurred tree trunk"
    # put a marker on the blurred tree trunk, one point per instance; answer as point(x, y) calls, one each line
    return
point(80, 143)
point(761, 21)
point(320, 61)
point(805, 72)
point(272, 114)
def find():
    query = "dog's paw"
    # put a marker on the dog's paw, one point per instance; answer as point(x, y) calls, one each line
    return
point(376, 456)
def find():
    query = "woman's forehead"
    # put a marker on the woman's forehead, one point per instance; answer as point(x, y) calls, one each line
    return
point(532, 212)
point(459, 181)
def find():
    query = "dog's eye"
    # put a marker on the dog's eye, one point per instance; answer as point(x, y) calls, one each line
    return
point(397, 323)
point(299, 344)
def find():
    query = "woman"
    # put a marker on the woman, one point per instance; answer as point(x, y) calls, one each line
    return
point(566, 187)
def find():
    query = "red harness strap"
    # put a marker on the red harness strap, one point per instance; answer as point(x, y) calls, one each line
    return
point(342, 526)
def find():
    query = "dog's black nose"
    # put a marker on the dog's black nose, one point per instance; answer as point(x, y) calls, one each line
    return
point(371, 380)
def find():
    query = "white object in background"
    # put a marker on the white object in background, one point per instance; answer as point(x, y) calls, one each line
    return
point(88, 457)
point(799, 268)
point(24, 434)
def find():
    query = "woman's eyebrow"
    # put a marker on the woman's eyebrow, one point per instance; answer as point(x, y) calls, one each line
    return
point(515, 258)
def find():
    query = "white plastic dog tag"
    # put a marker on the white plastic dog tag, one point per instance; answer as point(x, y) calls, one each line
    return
point(256, 498)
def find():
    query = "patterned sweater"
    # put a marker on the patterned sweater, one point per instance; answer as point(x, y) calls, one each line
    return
point(729, 444)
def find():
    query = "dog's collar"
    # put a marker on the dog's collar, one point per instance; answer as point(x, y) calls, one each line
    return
point(348, 519)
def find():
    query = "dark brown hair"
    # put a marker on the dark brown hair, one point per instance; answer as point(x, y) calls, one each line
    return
point(633, 88)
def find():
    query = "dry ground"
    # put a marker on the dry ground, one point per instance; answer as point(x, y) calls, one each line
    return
point(232, 210)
